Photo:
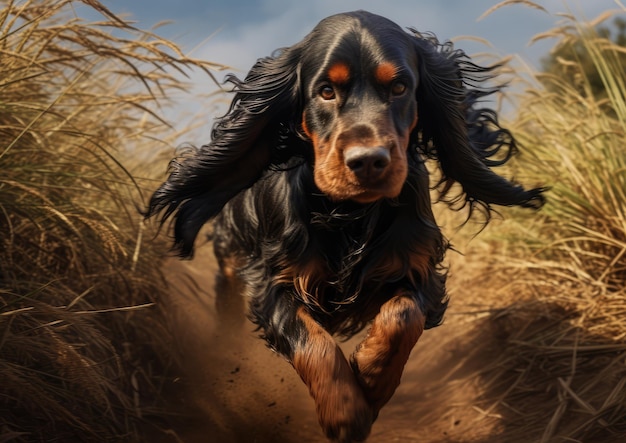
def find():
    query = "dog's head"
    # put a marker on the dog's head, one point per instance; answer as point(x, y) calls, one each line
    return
point(359, 82)
point(361, 100)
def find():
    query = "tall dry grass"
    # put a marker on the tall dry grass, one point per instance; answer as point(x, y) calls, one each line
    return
point(560, 372)
point(81, 342)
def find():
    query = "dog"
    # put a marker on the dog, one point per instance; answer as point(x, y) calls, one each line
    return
point(317, 186)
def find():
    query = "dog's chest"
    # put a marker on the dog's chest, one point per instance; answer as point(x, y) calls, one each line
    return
point(348, 264)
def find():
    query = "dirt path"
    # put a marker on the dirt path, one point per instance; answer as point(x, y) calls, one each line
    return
point(239, 391)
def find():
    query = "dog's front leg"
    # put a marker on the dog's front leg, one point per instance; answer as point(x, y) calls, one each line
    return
point(342, 409)
point(379, 359)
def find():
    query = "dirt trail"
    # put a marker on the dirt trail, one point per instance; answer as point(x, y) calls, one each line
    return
point(239, 391)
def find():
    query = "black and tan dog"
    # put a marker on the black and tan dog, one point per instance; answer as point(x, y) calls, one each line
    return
point(317, 185)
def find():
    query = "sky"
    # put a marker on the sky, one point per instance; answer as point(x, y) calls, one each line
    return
point(238, 32)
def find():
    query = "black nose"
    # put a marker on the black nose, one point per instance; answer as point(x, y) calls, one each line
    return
point(368, 164)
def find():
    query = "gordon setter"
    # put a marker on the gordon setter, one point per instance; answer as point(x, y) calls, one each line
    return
point(319, 193)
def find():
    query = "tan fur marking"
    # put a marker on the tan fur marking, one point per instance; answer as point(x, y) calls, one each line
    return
point(306, 279)
point(339, 73)
point(305, 128)
point(379, 360)
point(342, 410)
point(385, 73)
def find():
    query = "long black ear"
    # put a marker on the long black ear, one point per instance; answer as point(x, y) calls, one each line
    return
point(466, 141)
point(203, 180)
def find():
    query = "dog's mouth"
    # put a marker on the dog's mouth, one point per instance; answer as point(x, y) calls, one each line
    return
point(372, 194)
point(367, 197)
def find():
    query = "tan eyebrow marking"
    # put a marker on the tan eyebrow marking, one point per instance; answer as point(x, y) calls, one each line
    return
point(339, 73)
point(385, 73)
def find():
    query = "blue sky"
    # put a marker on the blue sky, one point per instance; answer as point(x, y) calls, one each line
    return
point(243, 30)
point(237, 32)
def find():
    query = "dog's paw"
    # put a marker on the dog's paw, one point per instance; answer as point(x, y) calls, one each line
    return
point(344, 413)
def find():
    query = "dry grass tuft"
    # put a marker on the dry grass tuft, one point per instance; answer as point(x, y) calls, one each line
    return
point(559, 373)
point(81, 342)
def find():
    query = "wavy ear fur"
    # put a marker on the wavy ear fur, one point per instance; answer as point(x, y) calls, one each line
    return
point(465, 140)
point(203, 180)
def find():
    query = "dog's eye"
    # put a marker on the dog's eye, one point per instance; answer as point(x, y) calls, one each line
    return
point(327, 92)
point(398, 88)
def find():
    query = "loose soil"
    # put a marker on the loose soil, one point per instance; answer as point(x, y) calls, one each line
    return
point(234, 389)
